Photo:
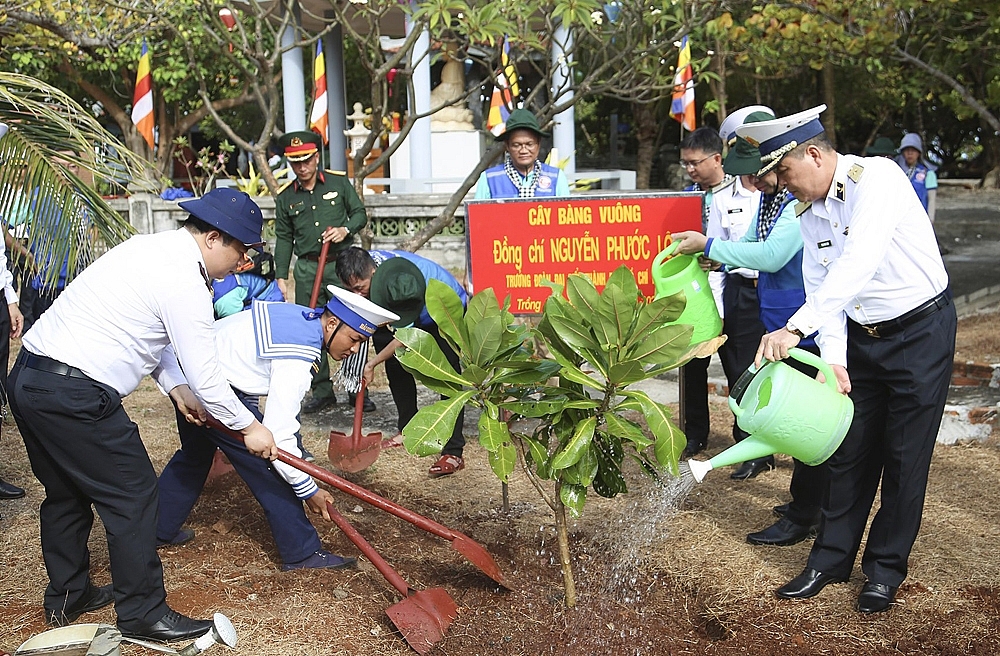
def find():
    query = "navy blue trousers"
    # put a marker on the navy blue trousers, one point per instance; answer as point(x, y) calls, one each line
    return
point(184, 477)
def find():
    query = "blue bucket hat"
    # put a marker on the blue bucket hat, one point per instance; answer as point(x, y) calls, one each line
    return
point(233, 212)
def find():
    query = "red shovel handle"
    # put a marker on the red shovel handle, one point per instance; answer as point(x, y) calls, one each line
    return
point(320, 265)
point(354, 490)
point(359, 409)
point(384, 568)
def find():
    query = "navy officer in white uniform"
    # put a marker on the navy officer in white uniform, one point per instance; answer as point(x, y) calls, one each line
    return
point(269, 351)
point(103, 334)
point(877, 293)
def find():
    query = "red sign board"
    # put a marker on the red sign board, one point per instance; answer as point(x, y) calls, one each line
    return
point(515, 244)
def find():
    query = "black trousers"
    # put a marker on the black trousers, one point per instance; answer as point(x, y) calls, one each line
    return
point(404, 387)
point(808, 484)
point(696, 420)
point(743, 331)
point(4, 347)
point(86, 451)
point(899, 385)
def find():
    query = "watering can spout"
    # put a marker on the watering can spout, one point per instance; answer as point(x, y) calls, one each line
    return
point(699, 468)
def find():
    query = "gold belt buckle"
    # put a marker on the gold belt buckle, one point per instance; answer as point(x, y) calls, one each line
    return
point(872, 331)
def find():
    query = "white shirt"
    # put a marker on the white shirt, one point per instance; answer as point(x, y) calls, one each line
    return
point(733, 210)
point(869, 253)
point(6, 277)
point(284, 382)
point(114, 320)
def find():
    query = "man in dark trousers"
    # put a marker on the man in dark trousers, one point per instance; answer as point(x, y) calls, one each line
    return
point(317, 206)
point(102, 335)
point(877, 293)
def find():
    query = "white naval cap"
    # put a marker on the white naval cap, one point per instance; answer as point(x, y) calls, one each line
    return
point(357, 311)
point(774, 139)
point(728, 128)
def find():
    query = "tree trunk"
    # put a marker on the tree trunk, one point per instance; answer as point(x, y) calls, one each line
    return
point(647, 127)
point(829, 117)
point(562, 532)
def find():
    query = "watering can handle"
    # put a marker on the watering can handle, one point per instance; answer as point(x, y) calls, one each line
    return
point(665, 253)
point(805, 357)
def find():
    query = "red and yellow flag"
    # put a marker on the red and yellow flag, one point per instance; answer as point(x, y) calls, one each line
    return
point(504, 93)
point(319, 117)
point(142, 99)
point(682, 104)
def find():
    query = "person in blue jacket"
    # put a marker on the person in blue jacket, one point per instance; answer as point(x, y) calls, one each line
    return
point(522, 174)
point(773, 246)
point(922, 174)
point(397, 281)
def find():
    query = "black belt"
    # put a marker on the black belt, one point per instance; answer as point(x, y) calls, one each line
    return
point(741, 280)
point(331, 255)
point(48, 365)
point(893, 326)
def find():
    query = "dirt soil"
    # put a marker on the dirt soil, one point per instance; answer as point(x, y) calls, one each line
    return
point(653, 576)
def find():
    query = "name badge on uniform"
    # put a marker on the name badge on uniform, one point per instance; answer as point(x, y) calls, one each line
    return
point(330, 195)
point(826, 243)
point(736, 210)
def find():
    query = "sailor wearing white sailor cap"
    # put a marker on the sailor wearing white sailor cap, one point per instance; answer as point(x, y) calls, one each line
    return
point(877, 293)
point(270, 351)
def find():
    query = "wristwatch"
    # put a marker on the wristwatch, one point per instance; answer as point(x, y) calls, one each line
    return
point(795, 331)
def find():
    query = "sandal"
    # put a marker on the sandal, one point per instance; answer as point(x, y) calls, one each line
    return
point(446, 466)
point(393, 442)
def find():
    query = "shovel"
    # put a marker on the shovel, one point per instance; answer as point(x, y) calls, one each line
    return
point(423, 616)
point(318, 281)
point(355, 452)
point(474, 552)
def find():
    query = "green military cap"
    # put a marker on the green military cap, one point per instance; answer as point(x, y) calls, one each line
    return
point(399, 286)
point(520, 119)
point(883, 146)
point(743, 158)
point(300, 146)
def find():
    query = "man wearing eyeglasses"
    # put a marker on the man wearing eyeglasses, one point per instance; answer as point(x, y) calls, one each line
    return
point(522, 175)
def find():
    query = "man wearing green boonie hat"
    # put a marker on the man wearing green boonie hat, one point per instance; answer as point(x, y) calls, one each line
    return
point(522, 175)
point(772, 246)
point(883, 147)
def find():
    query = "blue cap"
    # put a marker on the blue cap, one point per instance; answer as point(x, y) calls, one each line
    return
point(233, 212)
point(357, 311)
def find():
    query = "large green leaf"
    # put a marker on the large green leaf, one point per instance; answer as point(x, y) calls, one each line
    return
point(540, 456)
point(626, 373)
point(609, 481)
point(493, 433)
point(547, 406)
point(654, 314)
point(475, 374)
point(576, 375)
point(432, 426)
point(664, 344)
point(627, 430)
point(573, 497)
point(482, 305)
point(574, 333)
point(540, 372)
point(502, 460)
point(574, 449)
point(617, 308)
point(582, 293)
point(447, 311)
point(424, 355)
point(558, 349)
point(484, 340)
point(670, 441)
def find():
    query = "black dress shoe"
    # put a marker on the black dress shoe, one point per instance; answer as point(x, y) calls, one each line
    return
point(172, 626)
point(315, 404)
point(875, 597)
point(366, 406)
point(780, 511)
point(782, 533)
point(95, 598)
point(807, 584)
point(751, 468)
point(693, 447)
point(183, 536)
point(8, 491)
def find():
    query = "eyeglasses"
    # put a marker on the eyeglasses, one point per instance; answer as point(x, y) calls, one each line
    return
point(690, 164)
point(526, 145)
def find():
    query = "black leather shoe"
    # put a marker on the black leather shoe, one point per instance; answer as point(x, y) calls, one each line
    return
point(782, 533)
point(807, 584)
point(8, 491)
point(183, 536)
point(875, 597)
point(314, 404)
point(172, 626)
point(94, 599)
point(366, 406)
point(751, 468)
point(780, 511)
point(693, 447)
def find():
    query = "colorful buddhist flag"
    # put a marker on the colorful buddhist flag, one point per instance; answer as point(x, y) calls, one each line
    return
point(504, 92)
point(682, 104)
point(142, 99)
point(319, 117)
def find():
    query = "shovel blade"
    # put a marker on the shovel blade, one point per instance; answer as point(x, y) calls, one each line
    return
point(476, 554)
point(351, 454)
point(423, 617)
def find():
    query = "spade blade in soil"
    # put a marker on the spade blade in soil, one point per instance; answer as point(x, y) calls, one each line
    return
point(357, 451)
point(423, 617)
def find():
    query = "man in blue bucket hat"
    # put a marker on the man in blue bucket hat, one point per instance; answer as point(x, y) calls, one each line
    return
point(101, 336)
point(877, 294)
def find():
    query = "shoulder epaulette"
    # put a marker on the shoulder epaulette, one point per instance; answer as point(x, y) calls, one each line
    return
point(285, 186)
point(335, 172)
point(854, 173)
point(801, 207)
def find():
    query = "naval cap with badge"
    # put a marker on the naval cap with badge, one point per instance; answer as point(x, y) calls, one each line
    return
point(357, 311)
point(728, 128)
point(300, 145)
point(778, 137)
point(231, 211)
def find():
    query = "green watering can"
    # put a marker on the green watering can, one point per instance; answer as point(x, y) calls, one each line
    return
point(681, 273)
point(785, 411)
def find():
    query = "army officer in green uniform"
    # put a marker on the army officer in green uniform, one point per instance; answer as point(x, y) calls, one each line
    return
point(317, 206)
